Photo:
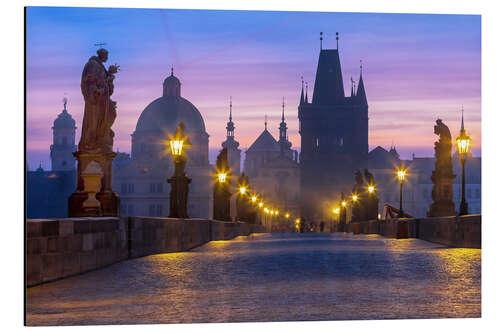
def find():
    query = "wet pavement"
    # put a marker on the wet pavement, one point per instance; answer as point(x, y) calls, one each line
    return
point(271, 277)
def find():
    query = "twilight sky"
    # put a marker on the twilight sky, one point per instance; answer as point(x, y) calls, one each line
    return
point(416, 68)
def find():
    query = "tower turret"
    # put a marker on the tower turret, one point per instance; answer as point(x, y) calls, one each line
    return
point(63, 146)
point(233, 152)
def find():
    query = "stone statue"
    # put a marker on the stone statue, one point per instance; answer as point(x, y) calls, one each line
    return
point(100, 111)
point(442, 176)
point(369, 178)
point(96, 141)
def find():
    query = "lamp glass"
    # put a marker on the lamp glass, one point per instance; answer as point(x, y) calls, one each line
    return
point(222, 177)
point(176, 147)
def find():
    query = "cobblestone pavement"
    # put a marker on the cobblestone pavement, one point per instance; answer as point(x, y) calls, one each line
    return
point(279, 277)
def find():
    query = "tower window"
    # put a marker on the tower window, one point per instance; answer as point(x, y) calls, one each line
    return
point(341, 142)
point(317, 142)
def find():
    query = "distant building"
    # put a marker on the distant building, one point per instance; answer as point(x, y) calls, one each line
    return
point(233, 152)
point(417, 189)
point(273, 169)
point(141, 179)
point(334, 137)
point(47, 192)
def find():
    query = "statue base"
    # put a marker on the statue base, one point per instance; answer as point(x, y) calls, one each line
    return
point(442, 195)
point(108, 199)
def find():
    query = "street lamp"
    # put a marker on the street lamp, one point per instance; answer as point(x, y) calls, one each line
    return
point(254, 199)
point(344, 203)
point(401, 174)
point(463, 147)
point(243, 190)
point(261, 204)
point(371, 189)
point(222, 177)
point(179, 182)
point(355, 197)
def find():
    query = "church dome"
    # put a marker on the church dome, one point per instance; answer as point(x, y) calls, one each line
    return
point(64, 120)
point(165, 113)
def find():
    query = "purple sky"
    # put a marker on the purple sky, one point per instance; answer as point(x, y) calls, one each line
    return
point(416, 68)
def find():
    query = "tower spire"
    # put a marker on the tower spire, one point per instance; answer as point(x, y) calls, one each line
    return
point(230, 108)
point(337, 38)
point(283, 110)
point(307, 100)
point(302, 92)
point(65, 101)
point(172, 70)
point(321, 40)
point(265, 122)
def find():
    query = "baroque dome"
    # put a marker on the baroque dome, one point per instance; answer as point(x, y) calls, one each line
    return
point(165, 113)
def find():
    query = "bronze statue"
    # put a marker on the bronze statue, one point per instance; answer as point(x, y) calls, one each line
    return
point(442, 176)
point(100, 111)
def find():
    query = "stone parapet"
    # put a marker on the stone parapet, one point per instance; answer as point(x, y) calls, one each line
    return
point(58, 248)
point(456, 231)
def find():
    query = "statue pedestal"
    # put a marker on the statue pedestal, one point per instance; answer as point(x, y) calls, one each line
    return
point(442, 195)
point(108, 199)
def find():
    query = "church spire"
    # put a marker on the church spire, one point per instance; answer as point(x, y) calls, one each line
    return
point(230, 124)
point(337, 38)
point(265, 122)
point(283, 140)
point(283, 110)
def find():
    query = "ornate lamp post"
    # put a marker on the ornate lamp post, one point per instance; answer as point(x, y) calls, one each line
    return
point(222, 195)
point(179, 182)
point(463, 147)
point(401, 174)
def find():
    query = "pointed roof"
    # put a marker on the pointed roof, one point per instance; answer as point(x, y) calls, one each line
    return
point(361, 95)
point(328, 86)
point(265, 142)
point(302, 93)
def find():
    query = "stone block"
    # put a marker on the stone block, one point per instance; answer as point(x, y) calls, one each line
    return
point(76, 242)
point(71, 264)
point(36, 245)
point(33, 229)
point(52, 266)
point(52, 244)
point(50, 228)
point(65, 227)
point(33, 269)
point(81, 226)
point(88, 260)
point(87, 242)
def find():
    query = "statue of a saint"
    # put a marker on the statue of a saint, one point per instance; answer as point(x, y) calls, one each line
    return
point(100, 111)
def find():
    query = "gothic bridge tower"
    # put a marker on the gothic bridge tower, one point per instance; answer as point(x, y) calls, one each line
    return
point(334, 137)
